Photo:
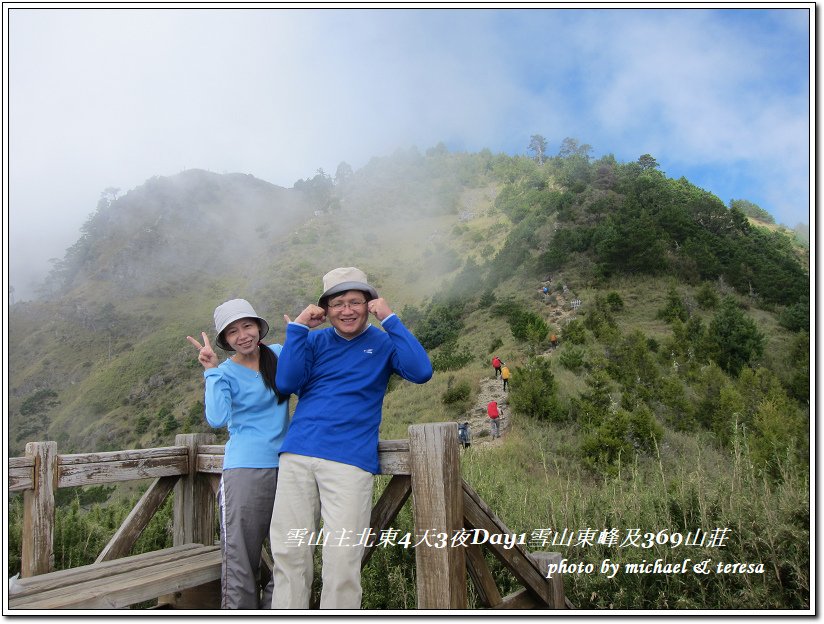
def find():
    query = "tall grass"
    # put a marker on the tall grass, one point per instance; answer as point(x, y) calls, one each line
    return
point(532, 482)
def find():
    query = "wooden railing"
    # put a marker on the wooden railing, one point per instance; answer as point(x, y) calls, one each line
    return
point(426, 466)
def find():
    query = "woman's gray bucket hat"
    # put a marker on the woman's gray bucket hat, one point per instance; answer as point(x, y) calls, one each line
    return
point(231, 311)
point(343, 279)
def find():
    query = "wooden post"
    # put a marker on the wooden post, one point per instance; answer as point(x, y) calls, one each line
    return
point(556, 583)
point(37, 552)
point(194, 523)
point(194, 502)
point(437, 498)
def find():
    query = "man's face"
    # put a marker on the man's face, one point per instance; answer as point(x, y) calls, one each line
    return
point(347, 313)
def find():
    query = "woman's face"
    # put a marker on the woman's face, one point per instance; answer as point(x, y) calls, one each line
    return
point(243, 335)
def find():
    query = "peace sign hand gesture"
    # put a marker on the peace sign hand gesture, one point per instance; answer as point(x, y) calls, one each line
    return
point(207, 356)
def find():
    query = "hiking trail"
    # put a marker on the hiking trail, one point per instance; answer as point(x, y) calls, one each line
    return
point(492, 389)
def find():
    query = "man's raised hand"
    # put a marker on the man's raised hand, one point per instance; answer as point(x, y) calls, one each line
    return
point(206, 355)
point(379, 308)
point(312, 316)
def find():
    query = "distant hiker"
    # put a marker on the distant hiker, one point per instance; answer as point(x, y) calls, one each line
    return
point(553, 339)
point(241, 395)
point(330, 455)
point(464, 435)
point(496, 364)
point(546, 290)
point(493, 411)
point(505, 375)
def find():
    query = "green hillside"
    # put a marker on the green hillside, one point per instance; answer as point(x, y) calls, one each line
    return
point(678, 397)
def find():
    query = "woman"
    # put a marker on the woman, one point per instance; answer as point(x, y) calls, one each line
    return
point(241, 395)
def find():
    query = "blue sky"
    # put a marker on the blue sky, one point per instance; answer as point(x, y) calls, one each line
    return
point(109, 97)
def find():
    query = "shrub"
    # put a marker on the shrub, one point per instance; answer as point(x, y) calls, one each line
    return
point(614, 301)
point(449, 358)
point(167, 420)
point(487, 299)
point(734, 340)
point(525, 325)
point(571, 358)
point(441, 323)
point(674, 308)
point(672, 395)
point(575, 332)
point(534, 390)
point(619, 437)
point(456, 394)
point(707, 296)
point(195, 415)
point(39, 402)
point(796, 317)
point(528, 327)
point(142, 424)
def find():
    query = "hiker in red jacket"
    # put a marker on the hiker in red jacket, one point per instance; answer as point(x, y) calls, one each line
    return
point(493, 413)
point(496, 364)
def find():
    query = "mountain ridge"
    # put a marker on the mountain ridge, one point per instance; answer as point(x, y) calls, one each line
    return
point(430, 230)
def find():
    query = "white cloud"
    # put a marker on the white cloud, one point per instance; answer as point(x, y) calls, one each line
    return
point(104, 98)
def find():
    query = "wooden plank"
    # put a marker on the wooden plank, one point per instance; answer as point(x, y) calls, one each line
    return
point(437, 509)
point(209, 464)
point(129, 587)
point(21, 479)
point(21, 473)
point(37, 552)
point(74, 475)
point(481, 577)
point(393, 457)
point(391, 501)
point(116, 456)
point(211, 449)
point(20, 462)
point(394, 463)
point(206, 596)
point(478, 516)
point(94, 571)
point(138, 519)
point(393, 445)
point(521, 599)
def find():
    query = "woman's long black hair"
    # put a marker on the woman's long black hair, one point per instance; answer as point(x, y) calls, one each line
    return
point(268, 370)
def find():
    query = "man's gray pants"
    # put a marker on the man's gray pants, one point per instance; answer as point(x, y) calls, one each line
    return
point(246, 499)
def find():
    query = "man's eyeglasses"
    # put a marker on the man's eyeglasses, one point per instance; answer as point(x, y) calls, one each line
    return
point(340, 305)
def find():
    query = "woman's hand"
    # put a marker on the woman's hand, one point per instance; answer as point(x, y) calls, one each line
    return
point(207, 355)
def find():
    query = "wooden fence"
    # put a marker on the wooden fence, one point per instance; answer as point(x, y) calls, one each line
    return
point(425, 466)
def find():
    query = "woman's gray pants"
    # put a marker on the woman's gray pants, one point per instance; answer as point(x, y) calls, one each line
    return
point(246, 499)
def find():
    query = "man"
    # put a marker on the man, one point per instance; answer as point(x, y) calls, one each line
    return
point(328, 459)
point(505, 375)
